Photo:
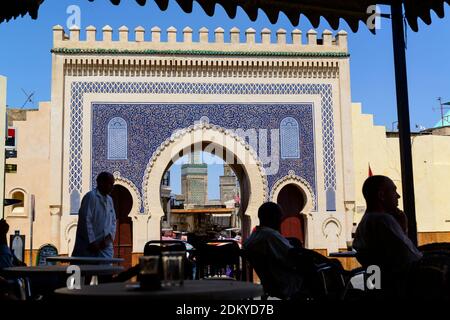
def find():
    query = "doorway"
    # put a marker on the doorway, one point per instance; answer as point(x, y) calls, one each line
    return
point(123, 242)
point(292, 201)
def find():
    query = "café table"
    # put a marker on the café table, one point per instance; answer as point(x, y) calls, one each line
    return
point(86, 270)
point(190, 290)
point(45, 279)
point(83, 260)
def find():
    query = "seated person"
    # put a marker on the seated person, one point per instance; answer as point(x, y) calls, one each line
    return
point(7, 258)
point(280, 265)
point(381, 239)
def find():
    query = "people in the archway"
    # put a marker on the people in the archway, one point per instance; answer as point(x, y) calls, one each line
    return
point(97, 221)
point(381, 239)
point(168, 234)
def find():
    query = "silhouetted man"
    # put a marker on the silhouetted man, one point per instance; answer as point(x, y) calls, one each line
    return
point(270, 254)
point(380, 238)
point(97, 221)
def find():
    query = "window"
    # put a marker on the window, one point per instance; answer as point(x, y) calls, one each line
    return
point(290, 138)
point(18, 209)
point(117, 139)
point(331, 199)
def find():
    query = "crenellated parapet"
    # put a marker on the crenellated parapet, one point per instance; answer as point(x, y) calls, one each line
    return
point(109, 53)
point(207, 40)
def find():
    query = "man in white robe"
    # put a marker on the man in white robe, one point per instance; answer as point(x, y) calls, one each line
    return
point(96, 221)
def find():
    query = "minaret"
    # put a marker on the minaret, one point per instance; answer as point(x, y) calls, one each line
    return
point(194, 180)
point(228, 185)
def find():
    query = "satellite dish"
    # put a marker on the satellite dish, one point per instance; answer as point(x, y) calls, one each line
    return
point(10, 202)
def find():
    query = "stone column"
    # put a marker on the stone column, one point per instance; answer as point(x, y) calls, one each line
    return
point(141, 232)
point(55, 213)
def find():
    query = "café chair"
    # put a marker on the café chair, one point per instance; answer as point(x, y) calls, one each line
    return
point(156, 247)
point(159, 246)
point(218, 259)
point(20, 288)
point(437, 246)
point(324, 278)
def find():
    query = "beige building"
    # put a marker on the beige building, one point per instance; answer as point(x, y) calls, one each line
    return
point(431, 164)
point(279, 114)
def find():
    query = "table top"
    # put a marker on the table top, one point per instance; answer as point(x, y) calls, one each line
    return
point(191, 290)
point(343, 254)
point(85, 270)
point(82, 260)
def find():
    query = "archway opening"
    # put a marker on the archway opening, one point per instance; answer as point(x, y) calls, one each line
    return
point(123, 242)
point(292, 200)
point(232, 148)
point(203, 197)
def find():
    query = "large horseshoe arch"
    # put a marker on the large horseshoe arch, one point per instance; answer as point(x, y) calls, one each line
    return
point(220, 142)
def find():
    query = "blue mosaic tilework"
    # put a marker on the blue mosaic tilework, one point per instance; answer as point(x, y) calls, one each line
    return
point(151, 124)
point(79, 88)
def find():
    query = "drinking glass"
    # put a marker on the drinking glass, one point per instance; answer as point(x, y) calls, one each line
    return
point(173, 268)
point(349, 245)
point(149, 273)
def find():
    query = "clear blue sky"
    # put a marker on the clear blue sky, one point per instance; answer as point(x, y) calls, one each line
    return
point(26, 60)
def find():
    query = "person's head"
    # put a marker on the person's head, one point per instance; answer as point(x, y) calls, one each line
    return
point(105, 182)
point(270, 215)
point(4, 227)
point(381, 194)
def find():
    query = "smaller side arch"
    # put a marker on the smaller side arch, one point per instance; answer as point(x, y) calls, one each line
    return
point(135, 194)
point(331, 231)
point(329, 222)
point(303, 186)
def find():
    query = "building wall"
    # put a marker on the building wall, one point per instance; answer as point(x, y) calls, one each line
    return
point(32, 177)
point(311, 76)
point(431, 164)
point(314, 73)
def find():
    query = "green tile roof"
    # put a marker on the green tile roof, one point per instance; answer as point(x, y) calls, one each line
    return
point(201, 53)
point(446, 121)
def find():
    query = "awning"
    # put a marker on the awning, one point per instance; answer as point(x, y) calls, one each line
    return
point(353, 12)
point(13, 8)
